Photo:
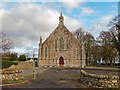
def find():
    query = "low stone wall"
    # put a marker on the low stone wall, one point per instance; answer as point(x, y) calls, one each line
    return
point(10, 74)
point(99, 81)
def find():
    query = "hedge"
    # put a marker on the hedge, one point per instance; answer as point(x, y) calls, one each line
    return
point(7, 63)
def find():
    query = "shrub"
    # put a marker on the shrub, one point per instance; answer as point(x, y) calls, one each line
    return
point(7, 63)
point(15, 63)
point(22, 58)
point(12, 59)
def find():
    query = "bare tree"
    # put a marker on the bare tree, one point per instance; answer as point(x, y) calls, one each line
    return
point(79, 34)
point(87, 40)
point(108, 52)
point(88, 43)
point(6, 43)
point(115, 32)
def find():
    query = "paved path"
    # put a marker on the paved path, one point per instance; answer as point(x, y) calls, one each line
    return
point(31, 71)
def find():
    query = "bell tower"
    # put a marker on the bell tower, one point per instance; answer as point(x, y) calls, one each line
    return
point(61, 20)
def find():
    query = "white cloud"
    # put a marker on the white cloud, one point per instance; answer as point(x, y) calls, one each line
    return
point(101, 25)
point(26, 22)
point(72, 24)
point(106, 19)
point(87, 11)
point(71, 4)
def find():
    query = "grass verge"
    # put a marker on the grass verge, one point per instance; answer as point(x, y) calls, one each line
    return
point(29, 77)
point(12, 81)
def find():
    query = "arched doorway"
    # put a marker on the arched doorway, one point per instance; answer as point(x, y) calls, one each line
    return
point(61, 61)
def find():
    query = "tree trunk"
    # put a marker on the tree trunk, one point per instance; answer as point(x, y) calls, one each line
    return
point(86, 59)
point(89, 60)
point(119, 56)
point(111, 63)
point(99, 62)
point(106, 63)
point(114, 62)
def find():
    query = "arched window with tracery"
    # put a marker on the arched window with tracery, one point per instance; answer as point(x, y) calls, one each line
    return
point(61, 43)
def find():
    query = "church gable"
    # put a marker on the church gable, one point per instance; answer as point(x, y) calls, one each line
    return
point(60, 48)
point(61, 31)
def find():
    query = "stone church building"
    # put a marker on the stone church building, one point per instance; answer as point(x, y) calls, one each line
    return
point(61, 48)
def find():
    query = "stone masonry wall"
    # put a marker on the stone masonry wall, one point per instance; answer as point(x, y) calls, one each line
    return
point(99, 81)
point(11, 75)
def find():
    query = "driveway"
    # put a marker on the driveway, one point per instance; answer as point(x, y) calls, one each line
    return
point(58, 77)
point(54, 78)
point(30, 71)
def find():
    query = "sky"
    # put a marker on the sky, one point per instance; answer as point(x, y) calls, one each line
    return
point(25, 21)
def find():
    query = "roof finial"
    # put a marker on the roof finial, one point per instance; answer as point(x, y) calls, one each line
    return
point(40, 39)
point(61, 10)
point(61, 18)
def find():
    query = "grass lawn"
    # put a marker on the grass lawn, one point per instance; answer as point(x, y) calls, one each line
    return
point(112, 66)
point(36, 76)
point(29, 77)
point(12, 81)
point(105, 66)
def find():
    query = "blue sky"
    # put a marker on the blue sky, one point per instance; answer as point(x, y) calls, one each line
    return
point(25, 22)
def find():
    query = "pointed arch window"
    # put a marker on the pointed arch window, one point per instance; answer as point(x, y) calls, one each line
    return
point(55, 44)
point(61, 43)
point(76, 53)
point(45, 52)
point(67, 44)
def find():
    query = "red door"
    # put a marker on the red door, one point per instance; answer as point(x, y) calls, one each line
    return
point(61, 61)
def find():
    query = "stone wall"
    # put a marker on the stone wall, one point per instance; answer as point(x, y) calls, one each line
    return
point(99, 81)
point(10, 74)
